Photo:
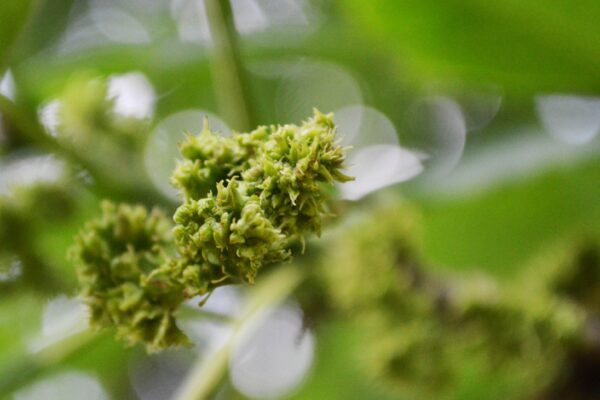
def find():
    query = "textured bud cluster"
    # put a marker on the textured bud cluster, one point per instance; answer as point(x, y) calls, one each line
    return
point(83, 118)
point(421, 329)
point(127, 280)
point(373, 272)
point(85, 115)
point(248, 199)
point(250, 196)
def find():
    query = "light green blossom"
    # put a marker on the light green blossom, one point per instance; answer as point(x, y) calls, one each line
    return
point(127, 280)
point(250, 196)
point(248, 199)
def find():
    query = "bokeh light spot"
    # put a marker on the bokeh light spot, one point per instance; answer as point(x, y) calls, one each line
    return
point(438, 129)
point(65, 386)
point(133, 95)
point(272, 358)
point(162, 150)
point(572, 119)
point(309, 84)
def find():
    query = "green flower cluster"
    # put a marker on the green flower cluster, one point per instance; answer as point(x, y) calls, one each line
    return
point(569, 269)
point(250, 197)
point(422, 328)
point(88, 124)
point(373, 273)
point(127, 279)
point(86, 115)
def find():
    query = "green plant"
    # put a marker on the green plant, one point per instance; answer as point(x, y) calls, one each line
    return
point(457, 315)
point(249, 199)
point(421, 324)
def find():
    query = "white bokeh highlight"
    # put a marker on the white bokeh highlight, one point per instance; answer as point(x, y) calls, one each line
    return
point(379, 166)
point(272, 357)
point(287, 21)
point(439, 131)
point(571, 119)
point(287, 18)
point(521, 155)
point(158, 376)
point(49, 115)
point(65, 386)
point(289, 13)
point(210, 335)
point(313, 84)
point(248, 16)
point(7, 86)
point(62, 317)
point(227, 300)
point(480, 106)
point(118, 25)
point(11, 268)
point(133, 95)
point(7, 89)
point(28, 170)
point(376, 160)
point(361, 126)
point(162, 151)
point(192, 22)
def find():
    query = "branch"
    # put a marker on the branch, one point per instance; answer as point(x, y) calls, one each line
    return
point(231, 88)
point(208, 372)
point(13, 376)
point(27, 124)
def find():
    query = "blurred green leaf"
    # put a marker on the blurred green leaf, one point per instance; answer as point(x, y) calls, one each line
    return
point(18, 314)
point(39, 34)
point(499, 230)
point(13, 16)
point(527, 46)
point(337, 371)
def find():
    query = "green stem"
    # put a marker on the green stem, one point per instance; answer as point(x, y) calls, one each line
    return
point(20, 11)
point(208, 372)
point(18, 374)
point(190, 312)
point(27, 124)
point(231, 88)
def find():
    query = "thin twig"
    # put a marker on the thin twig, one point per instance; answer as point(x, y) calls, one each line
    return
point(208, 372)
point(231, 88)
point(188, 311)
point(15, 375)
point(104, 185)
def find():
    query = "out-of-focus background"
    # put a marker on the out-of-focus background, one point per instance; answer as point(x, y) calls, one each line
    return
point(484, 114)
